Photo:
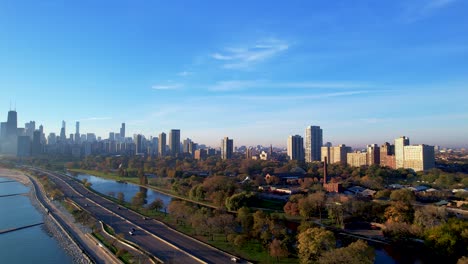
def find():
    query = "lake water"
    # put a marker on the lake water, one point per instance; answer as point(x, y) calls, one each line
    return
point(31, 245)
point(129, 190)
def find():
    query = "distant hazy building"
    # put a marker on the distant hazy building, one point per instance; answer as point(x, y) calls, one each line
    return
point(419, 157)
point(36, 147)
point(174, 142)
point(227, 148)
point(200, 154)
point(111, 136)
point(52, 139)
point(336, 154)
point(24, 146)
point(63, 135)
point(400, 144)
point(313, 143)
point(296, 148)
point(77, 133)
point(186, 145)
point(162, 145)
point(122, 131)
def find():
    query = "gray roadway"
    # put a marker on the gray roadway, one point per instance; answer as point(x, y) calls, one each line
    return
point(151, 235)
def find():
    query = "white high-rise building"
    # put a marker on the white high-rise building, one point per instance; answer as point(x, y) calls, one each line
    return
point(313, 143)
point(400, 144)
point(419, 157)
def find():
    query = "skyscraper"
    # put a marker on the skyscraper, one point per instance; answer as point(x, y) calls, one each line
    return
point(12, 124)
point(162, 144)
point(77, 133)
point(227, 148)
point(139, 144)
point(186, 144)
point(400, 144)
point(122, 131)
point(296, 148)
point(63, 135)
point(36, 147)
point(313, 143)
point(174, 141)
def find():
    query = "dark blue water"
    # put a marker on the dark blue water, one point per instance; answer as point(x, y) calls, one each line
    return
point(129, 190)
point(31, 245)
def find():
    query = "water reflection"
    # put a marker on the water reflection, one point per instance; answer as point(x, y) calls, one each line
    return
point(129, 190)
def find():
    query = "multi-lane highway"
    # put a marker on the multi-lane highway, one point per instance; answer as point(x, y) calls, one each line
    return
point(153, 236)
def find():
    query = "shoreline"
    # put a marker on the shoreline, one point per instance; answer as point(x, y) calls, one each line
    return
point(50, 228)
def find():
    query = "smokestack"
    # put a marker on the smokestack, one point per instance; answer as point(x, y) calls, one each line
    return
point(325, 170)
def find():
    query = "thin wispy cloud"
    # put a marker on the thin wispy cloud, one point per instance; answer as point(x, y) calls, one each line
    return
point(245, 57)
point(420, 10)
point(240, 85)
point(185, 73)
point(282, 97)
point(166, 86)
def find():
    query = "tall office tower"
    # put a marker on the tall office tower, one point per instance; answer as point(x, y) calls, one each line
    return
point(139, 144)
point(122, 131)
point(296, 148)
point(71, 139)
point(63, 136)
point(77, 133)
point(90, 137)
point(400, 144)
point(419, 157)
point(249, 153)
point(36, 148)
point(174, 141)
point(313, 143)
point(12, 124)
point(227, 148)
point(373, 154)
point(336, 154)
point(162, 144)
point(186, 143)
point(111, 136)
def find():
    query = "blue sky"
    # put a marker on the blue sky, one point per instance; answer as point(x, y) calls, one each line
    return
point(256, 71)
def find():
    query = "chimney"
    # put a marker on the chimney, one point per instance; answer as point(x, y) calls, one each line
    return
point(325, 170)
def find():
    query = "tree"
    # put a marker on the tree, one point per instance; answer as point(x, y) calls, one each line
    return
point(139, 199)
point(403, 195)
point(245, 218)
point(156, 205)
point(356, 253)
point(312, 242)
point(399, 212)
point(121, 197)
point(277, 249)
point(449, 239)
point(430, 216)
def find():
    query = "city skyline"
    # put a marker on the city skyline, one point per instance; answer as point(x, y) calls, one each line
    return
point(365, 72)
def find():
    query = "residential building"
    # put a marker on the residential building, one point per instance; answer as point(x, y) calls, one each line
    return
point(373, 154)
point(335, 154)
point(357, 159)
point(400, 144)
point(296, 148)
point(419, 157)
point(313, 143)
point(387, 155)
point(227, 148)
